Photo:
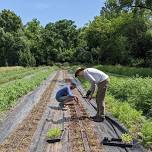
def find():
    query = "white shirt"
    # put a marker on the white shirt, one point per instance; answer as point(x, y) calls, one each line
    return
point(94, 76)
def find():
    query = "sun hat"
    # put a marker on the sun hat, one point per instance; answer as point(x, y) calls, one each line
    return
point(78, 70)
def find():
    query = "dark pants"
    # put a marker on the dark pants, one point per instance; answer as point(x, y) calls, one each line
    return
point(102, 87)
point(63, 100)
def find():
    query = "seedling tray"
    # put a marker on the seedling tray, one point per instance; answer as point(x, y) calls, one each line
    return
point(54, 140)
point(116, 142)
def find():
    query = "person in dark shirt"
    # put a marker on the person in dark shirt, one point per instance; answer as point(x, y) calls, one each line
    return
point(65, 94)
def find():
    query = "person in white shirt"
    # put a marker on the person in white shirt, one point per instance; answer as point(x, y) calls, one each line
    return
point(101, 80)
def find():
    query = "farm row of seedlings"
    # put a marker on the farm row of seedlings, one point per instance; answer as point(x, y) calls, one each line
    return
point(20, 139)
point(82, 137)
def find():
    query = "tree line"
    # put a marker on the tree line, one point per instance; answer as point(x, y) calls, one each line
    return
point(120, 34)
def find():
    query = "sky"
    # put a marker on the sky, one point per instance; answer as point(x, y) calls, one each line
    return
point(80, 11)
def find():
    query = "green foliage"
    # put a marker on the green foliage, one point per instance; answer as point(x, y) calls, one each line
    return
point(123, 111)
point(6, 76)
point(54, 133)
point(147, 133)
point(121, 34)
point(26, 59)
point(58, 41)
point(136, 91)
point(126, 114)
point(10, 93)
point(126, 138)
point(33, 31)
point(9, 21)
point(126, 71)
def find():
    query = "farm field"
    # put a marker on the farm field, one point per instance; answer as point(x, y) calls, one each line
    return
point(46, 101)
point(16, 82)
point(29, 119)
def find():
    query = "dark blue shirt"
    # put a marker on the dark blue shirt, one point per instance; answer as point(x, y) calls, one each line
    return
point(65, 91)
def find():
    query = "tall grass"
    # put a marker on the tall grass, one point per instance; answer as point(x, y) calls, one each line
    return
point(127, 71)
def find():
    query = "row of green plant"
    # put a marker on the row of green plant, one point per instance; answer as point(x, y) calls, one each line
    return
point(136, 91)
point(9, 94)
point(137, 124)
point(17, 74)
point(126, 71)
point(12, 71)
point(10, 68)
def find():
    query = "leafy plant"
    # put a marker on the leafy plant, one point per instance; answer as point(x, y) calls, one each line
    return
point(126, 138)
point(54, 133)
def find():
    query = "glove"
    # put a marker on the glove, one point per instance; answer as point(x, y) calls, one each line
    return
point(88, 93)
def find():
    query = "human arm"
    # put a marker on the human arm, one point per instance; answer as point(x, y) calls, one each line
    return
point(92, 81)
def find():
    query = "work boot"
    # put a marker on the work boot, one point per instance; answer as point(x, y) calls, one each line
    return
point(98, 118)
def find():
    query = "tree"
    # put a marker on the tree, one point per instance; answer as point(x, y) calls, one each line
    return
point(10, 22)
point(26, 58)
point(33, 31)
point(11, 37)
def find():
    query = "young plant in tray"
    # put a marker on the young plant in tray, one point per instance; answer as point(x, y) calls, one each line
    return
point(54, 133)
point(126, 138)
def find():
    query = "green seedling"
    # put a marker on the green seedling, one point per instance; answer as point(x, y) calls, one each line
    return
point(126, 138)
point(54, 133)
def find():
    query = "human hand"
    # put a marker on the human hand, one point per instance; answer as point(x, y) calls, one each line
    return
point(76, 98)
point(89, 97)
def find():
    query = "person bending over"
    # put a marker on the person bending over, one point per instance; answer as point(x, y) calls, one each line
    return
point(99, 79)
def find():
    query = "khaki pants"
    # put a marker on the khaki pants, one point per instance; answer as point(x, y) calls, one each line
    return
point(102, 87)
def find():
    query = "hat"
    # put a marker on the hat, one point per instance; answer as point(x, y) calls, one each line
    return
point(78, 70)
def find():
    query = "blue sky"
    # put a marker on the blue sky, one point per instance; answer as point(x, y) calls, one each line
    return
point(81, 11)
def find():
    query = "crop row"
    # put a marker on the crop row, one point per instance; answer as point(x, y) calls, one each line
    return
point(5, 69)
point(10, 93)
point(19, 74)
point(137, 124)
point(136, 91)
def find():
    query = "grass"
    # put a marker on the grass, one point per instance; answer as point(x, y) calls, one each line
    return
point(127, 71)
point(9, 94)
point(4, 69)
point(16, 74)
point(54, 133)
